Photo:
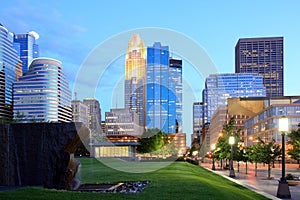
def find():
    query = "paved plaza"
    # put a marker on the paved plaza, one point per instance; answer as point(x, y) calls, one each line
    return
point(260, 183)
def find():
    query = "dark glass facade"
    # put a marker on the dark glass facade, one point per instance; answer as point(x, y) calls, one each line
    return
point(10, 70)
point(265, 57)
point(197, 118)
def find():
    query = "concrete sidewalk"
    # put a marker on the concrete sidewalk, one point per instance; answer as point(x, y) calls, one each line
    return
point(260, 183)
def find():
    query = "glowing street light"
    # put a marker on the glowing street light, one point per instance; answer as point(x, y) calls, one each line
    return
point(231, 172)
point(283, 190)
point(213, 147)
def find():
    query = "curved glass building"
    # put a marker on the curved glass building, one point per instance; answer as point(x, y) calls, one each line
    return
point(42, 93)
point(10, 70)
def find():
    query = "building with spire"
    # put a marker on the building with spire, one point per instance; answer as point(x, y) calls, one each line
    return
point(135, 76)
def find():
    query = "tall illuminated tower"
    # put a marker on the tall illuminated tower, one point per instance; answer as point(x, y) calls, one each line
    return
point(135, 73)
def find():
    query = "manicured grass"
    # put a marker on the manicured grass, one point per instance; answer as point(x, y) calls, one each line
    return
point(178, 180)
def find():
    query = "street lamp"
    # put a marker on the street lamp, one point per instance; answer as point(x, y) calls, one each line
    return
point(283, 190)
point(213, 147)
point(231, 172)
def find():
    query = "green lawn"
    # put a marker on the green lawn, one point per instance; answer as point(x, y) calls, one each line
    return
point(178, 180)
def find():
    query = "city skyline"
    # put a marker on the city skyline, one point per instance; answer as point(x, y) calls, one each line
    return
point(69, 36)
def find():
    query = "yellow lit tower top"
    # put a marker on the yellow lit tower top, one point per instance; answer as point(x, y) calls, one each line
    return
point(135, 63)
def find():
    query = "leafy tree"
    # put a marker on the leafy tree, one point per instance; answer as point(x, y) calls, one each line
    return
point(223, 148)
point(295, 142)
point(267, 153)
point(253, 155)
point(151, 141)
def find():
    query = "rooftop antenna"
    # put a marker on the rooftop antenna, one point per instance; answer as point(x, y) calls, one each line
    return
point(75, 95)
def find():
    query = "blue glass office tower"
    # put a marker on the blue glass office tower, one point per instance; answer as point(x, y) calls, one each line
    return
point(42, 93)
point(10, 70)
point(175, 84)
point(163, 90)
point(220, 87)
point(27, 48)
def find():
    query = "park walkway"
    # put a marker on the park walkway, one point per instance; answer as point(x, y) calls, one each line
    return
point(260, 183)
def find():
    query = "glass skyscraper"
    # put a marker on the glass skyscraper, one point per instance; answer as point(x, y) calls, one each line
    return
point(27, 48)
point(163, 90)
point(220, 87)
point(197, 118)
point(175, 84)
point(10, 70)
point(135, 73)
point(42, 93)
point(265, 57)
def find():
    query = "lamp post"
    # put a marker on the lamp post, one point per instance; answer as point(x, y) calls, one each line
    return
point(231, 172)
point(283, 190)
point(213, 147)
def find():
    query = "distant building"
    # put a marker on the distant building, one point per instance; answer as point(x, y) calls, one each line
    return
point(265, 57)
point(220, 118)
point(122, 122)
point(94, 115)
point(197, 122)
point(27, 48)
point(10, 71)
point(42, 93)
point(79, 112)
point(103, 128)
point(220, 87)
point(164, 90)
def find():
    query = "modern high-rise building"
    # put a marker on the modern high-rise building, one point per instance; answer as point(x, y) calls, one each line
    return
point(94, 114)
point(10, 71)
point(220, 87)
point(26, 46)
point(265, 57)
point(80, 112)
point(163, 90)
point(175, 84)
point(135, 72)
point(197, 118)
point(43, 93)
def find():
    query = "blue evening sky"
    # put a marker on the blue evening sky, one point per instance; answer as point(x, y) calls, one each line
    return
point(70, 30)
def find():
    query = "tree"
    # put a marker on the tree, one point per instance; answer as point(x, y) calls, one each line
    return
point(223, 148)
point(253, 155)
point(151, 141)
point(295, 142)
point(267, 153)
